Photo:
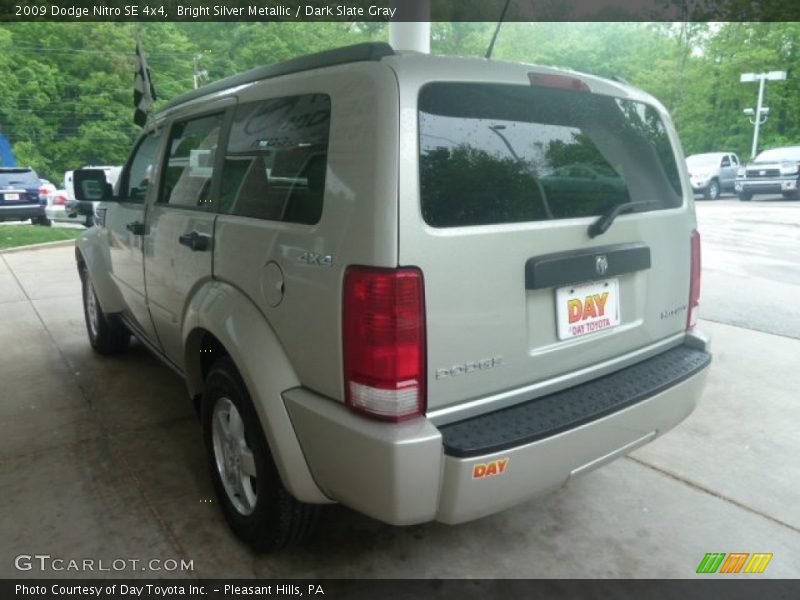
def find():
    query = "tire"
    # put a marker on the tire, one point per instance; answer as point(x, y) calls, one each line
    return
point(43, 221)
point(107, 333)
point(712, 190)
point(794, 195)
point(259, 510)
point(745, 197)
point(89, 221)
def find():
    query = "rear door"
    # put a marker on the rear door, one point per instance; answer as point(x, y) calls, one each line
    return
point(180, 225)
point(510, 177)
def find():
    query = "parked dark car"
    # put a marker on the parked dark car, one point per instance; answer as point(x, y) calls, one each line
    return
point(20, 197)
point(773, 171)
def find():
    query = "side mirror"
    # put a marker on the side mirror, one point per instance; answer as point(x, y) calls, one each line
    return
point(91, 185)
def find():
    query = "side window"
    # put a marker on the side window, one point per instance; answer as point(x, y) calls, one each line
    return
point(276, 160)
point(190, 163)
point(726, 161)
point(734, 159)
point(139, 175)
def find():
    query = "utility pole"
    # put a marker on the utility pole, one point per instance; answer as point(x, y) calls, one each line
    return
point(759, 116)
point(198, 73)
point(410, 28)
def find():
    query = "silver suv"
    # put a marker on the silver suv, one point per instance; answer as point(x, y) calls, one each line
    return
point(385, 286)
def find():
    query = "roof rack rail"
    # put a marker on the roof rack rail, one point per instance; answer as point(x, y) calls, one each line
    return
point(370, 51)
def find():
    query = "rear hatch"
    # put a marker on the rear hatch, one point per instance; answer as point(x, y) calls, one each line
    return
point(511, 176)
point(18, 186)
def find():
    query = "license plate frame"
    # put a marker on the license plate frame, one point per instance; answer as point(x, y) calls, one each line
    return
point(11, 197)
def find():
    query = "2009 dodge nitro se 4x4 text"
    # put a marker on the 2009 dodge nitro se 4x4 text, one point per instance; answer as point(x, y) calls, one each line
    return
point(427, 288)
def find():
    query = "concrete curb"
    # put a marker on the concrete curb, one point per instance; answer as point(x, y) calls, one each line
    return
point(43, 246)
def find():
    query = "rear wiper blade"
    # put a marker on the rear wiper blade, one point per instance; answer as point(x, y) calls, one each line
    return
point(602, 224)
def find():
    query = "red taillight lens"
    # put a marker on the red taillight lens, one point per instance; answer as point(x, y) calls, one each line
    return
point(60, 200)
point(564, 82)
point(384, 342)
point(694, 283)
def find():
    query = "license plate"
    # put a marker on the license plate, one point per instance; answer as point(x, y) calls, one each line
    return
point(11, 196)
point(587, 308)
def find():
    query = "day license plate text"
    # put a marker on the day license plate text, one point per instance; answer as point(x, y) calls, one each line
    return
point(587, 308)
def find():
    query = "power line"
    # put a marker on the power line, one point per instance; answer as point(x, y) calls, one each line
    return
point(56, 112)
point(50, 50)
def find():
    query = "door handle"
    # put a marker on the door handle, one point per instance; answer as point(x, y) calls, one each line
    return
point(195, 240)
point(136, 228)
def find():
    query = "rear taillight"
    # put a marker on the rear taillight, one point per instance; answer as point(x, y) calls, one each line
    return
point(694, 282)
point(60, 200)
point(384, 342)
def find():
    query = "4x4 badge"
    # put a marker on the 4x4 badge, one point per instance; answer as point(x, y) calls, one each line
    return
point(314, 259)
point(601, 264)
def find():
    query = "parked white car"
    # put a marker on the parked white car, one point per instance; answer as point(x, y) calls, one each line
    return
point(374, 297)
point(55, 209)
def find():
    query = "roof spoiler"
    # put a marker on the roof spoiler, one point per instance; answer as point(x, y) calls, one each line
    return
point(370, 51)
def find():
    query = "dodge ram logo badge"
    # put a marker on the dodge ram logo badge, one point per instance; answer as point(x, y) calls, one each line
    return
point(601, 264)
point(762, 172)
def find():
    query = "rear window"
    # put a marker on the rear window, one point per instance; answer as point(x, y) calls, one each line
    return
point(19, 177)
point(504, 154)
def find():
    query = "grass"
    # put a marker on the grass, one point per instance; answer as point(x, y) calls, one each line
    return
point(13, 236)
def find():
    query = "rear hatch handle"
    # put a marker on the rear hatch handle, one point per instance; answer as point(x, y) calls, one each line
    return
point(602, 224)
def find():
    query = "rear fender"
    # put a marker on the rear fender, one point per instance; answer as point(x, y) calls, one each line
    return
point(225, 312)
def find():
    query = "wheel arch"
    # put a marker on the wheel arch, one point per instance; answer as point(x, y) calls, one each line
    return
point(93, 257)
point(221, 320)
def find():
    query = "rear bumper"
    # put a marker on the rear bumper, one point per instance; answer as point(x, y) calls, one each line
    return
point(21, 212)
point(414, 472)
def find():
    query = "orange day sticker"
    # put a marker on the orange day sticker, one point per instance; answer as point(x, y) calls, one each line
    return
point(494, 467)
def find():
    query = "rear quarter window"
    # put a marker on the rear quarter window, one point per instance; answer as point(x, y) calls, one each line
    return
point(276, 160)
point(494, 154)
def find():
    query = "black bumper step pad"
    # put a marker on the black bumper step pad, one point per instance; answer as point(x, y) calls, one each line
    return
point(546, 416)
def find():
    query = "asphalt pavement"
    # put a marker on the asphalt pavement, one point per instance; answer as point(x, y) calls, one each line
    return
point(751, 263)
